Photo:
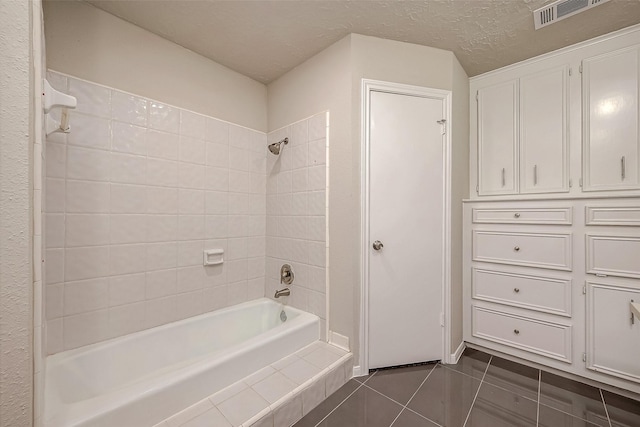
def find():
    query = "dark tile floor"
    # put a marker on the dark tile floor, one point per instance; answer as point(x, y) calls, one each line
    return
point(480, 391)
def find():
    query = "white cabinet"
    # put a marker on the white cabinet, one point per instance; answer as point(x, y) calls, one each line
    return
point(523, 135)
point(497, 136)
point(543, 123)
point(610, 121)
point(613, 332)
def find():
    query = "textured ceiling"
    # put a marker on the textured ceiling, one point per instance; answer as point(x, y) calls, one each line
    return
point(265, 39)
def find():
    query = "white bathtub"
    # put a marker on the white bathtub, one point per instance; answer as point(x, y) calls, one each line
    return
point(141, 379)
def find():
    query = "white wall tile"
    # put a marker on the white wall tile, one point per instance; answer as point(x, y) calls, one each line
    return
point(130, 199)
point(55, 229)
point(191, 201)
point(190, 278)
point(216, 131)
point(192, 150)
point(85, 295)
point(54, 301)
point(129, 108)
point(92, 99)
point(126, 289)
point(86, 263)
point(161, 228)
point(162, 172)
point(163, 117)
point(126, 259)
point(126, 319)
point(192, 124)
point(133, 196)
point(87, 230)
point(160, 283)
point(216, 203)
point(90, 131)
point(164, 145)
point(128, 229)
point(86, 328)
point(318, 126)
point(317, 152)
point(190, 253)
point(162, 200)
point(128, 169)
point(56, 160)
point(162, 256)
point(191, 176)
point(127, 138)
point(55, 195)
point(54, 265)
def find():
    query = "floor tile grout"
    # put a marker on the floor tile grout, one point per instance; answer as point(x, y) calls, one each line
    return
point(477, 391)
point(606, 411)
point(538, 404)
point(344, 400)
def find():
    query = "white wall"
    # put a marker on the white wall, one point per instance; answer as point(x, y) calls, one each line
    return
point(323, 83)
point(89, 43)
point(332, 80)
point(459, 191)
point(296, 214)
point(16, 281)
point(135, 193)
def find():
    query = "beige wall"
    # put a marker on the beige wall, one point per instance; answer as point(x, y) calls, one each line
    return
point(89, 43)
point(15, 216)
point(459, 191)
point(332, 80)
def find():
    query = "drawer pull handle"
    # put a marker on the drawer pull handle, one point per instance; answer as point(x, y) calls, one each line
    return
point(517, 248)
point(516, 290)
point(517, 332)
point(504, 181)
point(623, 168)
point(517, 215)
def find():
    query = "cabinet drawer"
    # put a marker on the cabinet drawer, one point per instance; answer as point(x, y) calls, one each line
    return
point(562, 216)
point(527, 249)
point(613, 255)
point(536, 336)
point(540, 293)
point(602, 215)
point(613, 337)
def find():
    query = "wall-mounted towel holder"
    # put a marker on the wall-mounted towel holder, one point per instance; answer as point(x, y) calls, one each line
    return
point(56, 99)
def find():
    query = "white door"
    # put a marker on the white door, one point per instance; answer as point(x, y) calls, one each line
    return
point(498, 139)
point(543, 123)
point(406, 187)
point(610, 95)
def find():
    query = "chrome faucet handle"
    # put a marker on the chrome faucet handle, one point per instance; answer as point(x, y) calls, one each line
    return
point(286, 274)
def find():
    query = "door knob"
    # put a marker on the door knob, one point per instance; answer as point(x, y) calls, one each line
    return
point(377, 245)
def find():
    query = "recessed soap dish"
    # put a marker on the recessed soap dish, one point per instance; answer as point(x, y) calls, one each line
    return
point(213, 256)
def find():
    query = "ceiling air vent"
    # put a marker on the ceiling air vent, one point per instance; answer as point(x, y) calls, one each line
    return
point(561, 9)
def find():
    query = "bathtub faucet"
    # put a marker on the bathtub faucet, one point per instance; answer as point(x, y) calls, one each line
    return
point(282, 293)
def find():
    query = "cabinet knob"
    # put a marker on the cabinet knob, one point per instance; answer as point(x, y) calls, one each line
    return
point(517, 248)
point(517, 332)
point(516, 290)
point(517, 215)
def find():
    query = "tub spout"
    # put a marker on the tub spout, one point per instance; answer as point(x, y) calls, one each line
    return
point(282, 293)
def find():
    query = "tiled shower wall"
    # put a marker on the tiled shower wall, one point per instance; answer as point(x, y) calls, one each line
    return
point(297, 214)
point(134, 194)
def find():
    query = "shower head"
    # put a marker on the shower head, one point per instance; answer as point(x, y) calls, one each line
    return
point(275, 147)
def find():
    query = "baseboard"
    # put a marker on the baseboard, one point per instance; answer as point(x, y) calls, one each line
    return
point(339, 341)
point(358, 372)
point(455, 356)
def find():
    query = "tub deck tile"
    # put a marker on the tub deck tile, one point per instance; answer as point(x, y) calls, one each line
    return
point(274, 387)
point(242, 406)
point(300, 371)
point(213, 417)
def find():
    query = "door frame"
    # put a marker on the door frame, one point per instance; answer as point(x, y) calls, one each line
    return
point(367, 87)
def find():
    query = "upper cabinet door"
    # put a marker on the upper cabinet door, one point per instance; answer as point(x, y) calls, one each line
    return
point(610, 120)
point(544, 132)
point(498, 139)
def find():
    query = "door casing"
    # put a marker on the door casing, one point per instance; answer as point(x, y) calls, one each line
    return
point(402, 89)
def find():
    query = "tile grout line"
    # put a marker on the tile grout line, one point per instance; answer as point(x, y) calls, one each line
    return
point(606, 411)
point(350, 394)
point(538, 403)
point(405, 407)
point(477, 392)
